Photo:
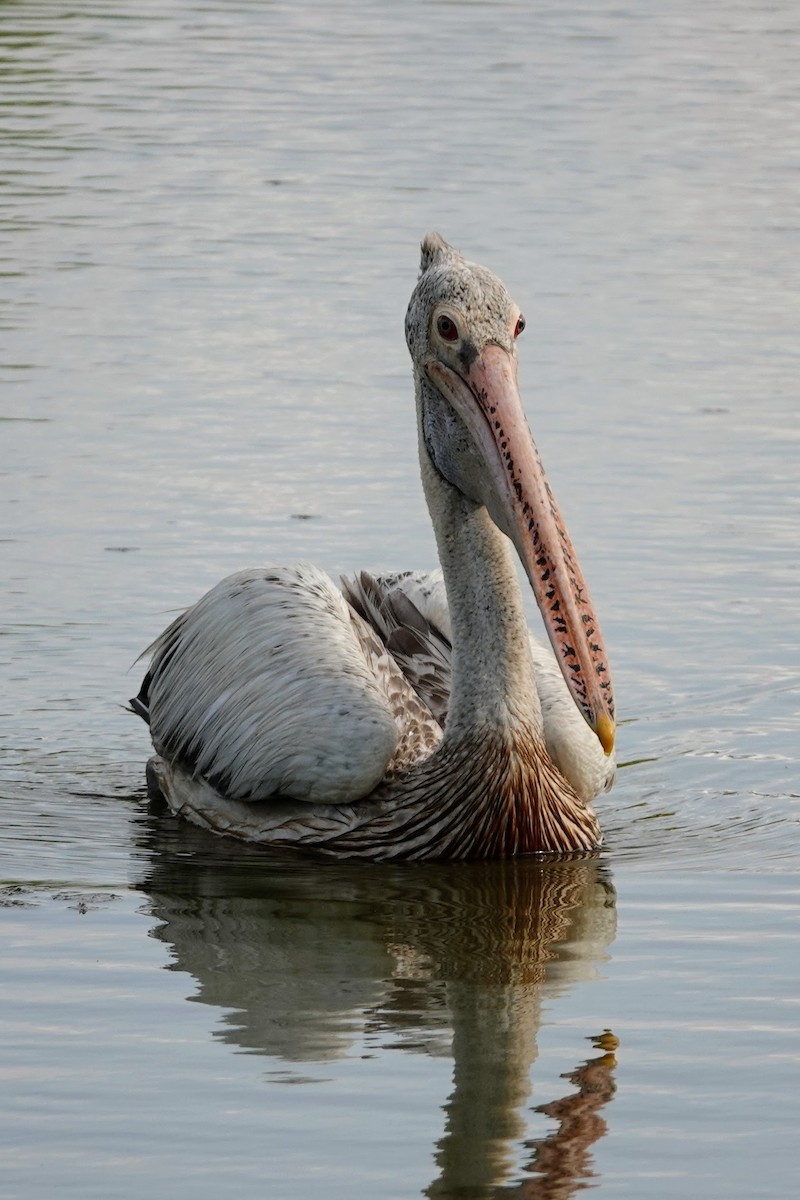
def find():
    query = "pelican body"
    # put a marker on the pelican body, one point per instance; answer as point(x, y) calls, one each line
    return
point(409, 716)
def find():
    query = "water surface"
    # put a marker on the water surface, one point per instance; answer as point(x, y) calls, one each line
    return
point(210, 224)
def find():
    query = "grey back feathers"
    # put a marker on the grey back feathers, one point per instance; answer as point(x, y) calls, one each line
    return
point(396, 607)
point(271, 686)
point(243, 692)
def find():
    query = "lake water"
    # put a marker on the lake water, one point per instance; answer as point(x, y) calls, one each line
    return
point(211, 215)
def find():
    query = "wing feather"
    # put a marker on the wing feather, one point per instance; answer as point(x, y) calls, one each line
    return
point(419, 732)
point(405, 610)
point(263, 689)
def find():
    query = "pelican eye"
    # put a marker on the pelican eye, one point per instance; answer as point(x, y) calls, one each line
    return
point(520, 325)
point(446, 328)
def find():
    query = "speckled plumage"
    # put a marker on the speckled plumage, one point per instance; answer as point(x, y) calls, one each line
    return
point(393, 724)
point(410, 612)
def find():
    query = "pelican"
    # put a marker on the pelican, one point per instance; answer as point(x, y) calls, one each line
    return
point(406, 716)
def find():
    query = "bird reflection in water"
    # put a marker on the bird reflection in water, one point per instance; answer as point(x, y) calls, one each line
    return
point(457, 959)
point(562, 1160)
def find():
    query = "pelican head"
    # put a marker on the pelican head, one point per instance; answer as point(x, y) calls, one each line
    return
point(461, 328)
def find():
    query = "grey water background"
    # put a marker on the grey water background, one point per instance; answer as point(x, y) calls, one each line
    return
point(210, 220)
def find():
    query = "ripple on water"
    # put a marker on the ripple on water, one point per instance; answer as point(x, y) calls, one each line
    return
point(714, 779)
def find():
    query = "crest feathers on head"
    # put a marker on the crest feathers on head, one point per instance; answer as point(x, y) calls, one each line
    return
point(435, 251)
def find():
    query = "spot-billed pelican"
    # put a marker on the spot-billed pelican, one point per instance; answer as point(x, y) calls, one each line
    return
point(413, 715)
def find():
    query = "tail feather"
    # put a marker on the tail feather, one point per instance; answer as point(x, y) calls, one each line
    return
point(140, 704)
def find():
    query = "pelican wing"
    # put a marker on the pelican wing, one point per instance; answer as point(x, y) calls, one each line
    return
point(398, 609)
point(270, 686)
point(419, 730)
